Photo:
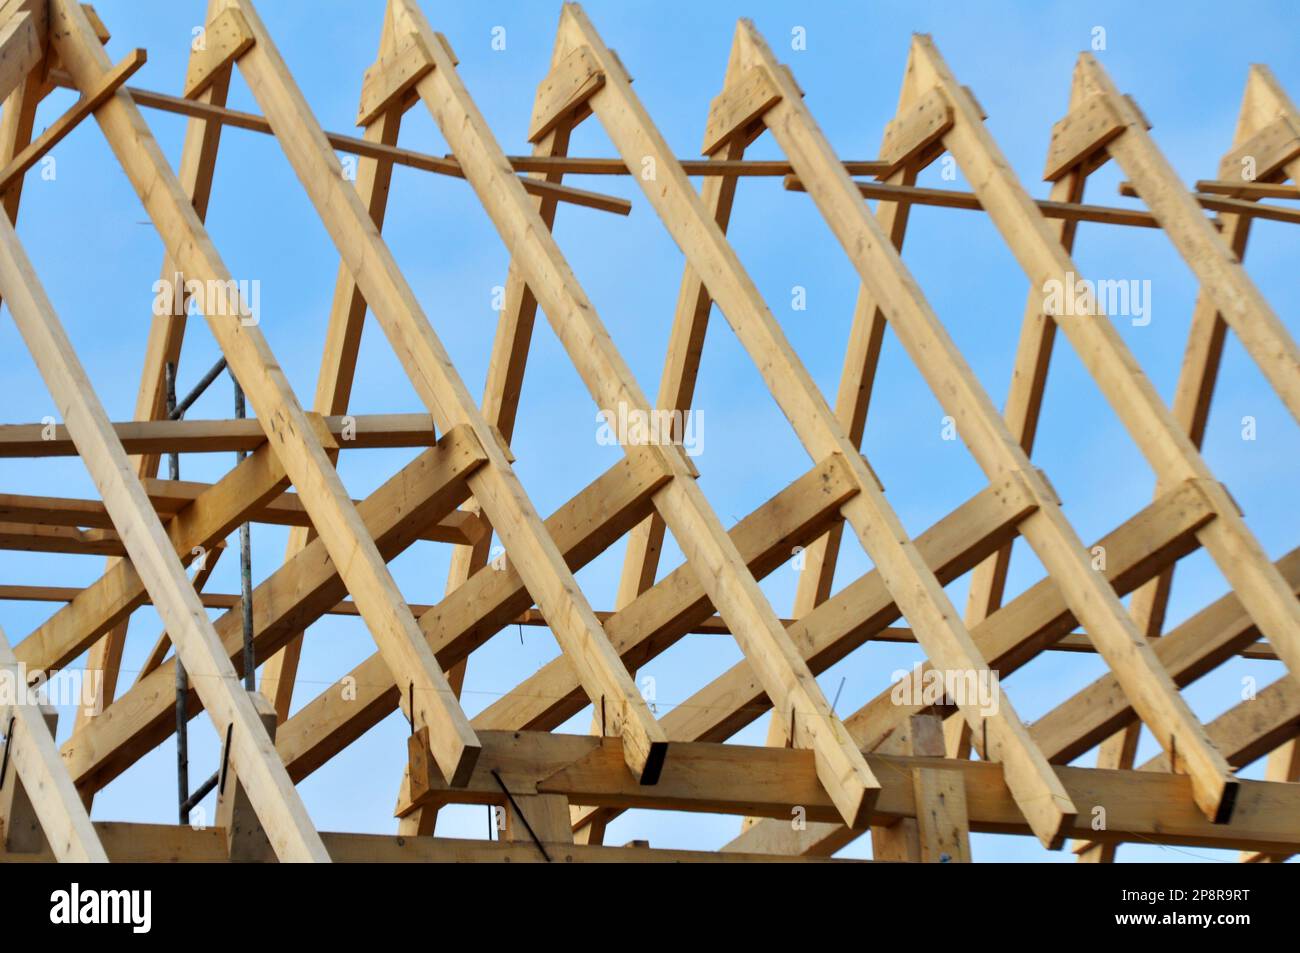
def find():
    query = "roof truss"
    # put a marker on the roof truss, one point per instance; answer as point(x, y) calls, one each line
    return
point(901, 771)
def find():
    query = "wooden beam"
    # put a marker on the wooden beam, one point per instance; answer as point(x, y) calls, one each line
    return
point(943, 828)
point(677, 383)
point(20, 50)
point(388, 82)
point(1146, 806)
point(565, 91)
point(736, 110)
point(1190, 650)
point(68, 540)
point(342, 345)
point(1270, 147)
point(57, 131)
point(170, 497)
point(160, 843)
point(17, 120)
point(906, 137)
point(1085, 131)
point(153, 437)
point(1137, 809)
point(442, 165)
point(245, 838)
point(1252, 728)
point(167, 327)
point(916, 127)
point(225, 39)
point(20, 827)
point(33, 764)
point(202, 574)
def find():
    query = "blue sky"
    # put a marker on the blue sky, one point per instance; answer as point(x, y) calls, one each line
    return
point(1186, 65)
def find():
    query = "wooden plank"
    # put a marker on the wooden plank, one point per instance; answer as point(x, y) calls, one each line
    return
point(734, 111)
point(564, 92)
point(153, 437)
point(170, 497)
point(20, 51)
point(952, 198)
point(33, 762)
point(388, 82)
point(159, 843)
point(151, 553)
point(225, 38)
point(1267, 150)
point(1090, 125)
point(913, 130)
point(57, 131)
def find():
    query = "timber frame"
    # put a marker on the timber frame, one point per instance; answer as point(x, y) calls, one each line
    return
point(918, 777)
